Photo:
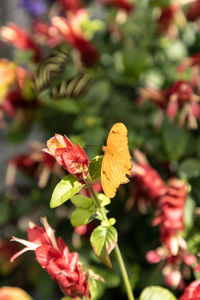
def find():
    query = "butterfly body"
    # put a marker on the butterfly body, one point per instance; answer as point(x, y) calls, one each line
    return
point(116, 162)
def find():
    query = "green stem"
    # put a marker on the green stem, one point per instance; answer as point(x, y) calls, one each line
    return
point(124, 273)
point(98, 204)
point(117, 250)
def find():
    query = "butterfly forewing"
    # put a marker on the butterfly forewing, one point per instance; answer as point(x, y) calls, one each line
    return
point(116, 161)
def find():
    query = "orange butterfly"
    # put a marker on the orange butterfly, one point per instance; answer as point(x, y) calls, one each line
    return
point(116, 162)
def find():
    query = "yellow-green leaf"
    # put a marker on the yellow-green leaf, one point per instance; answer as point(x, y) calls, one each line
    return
point(64, 190)
point(155, 293)
point(103, 240)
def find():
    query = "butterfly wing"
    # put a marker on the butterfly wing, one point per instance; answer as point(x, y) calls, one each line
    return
point(116, 162)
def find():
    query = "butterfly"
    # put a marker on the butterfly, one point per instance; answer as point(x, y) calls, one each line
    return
point(116, 163)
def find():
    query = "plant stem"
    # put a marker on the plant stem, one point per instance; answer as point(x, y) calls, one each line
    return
point(124, 273)
point(98, 204)
point(117, 250)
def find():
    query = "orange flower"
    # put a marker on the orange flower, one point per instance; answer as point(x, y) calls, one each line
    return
point(8, 76)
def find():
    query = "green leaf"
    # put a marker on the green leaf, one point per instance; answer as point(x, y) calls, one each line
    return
point(103, 199)
point(95, 167)
point(189, 168)
point(82, 201)
point(175, 140)
point(64, 190)
point(96, 289)
point(103, 240)
point(5, 212)
point(82, 216)
point(198, 147)
point(65, 105)
point(23, 56)
point(155, 293)
point(189, 213)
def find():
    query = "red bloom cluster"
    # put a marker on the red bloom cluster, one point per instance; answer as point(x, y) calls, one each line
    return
point(192, 292)
point(18, 37)
point(170, 213)
point(147, 183)
point(193, 11)
point(174, 248)
point(180, 97)
point(61, 29)
point(71, 5)
point(14, 102)
point(192, 61)
point(72, 158)
point(54, 256)
point(167, 18)
point(37, 163)
point(72, 32)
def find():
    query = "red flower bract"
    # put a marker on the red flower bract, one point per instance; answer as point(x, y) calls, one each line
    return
point(71, 5)
point(192, 292)
point(18, 37)
point(54, 256)
point(72, 158)
point(73, 34)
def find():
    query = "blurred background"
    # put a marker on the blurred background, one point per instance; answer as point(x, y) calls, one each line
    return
point(76, 68)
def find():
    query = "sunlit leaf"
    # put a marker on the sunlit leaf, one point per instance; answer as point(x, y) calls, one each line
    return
point(103, 199)
point(155, 293)
point(64, 190)
point(103, 241)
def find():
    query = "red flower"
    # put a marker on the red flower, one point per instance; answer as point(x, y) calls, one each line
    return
point(18, 37)
point(181, 91)
point(37, 163)
point(192, 61)
point(74, 35)
point(125, 5)
point(170, 213)
point(46, 34)
point(73, 159)
point(54, 256)
point(182, 96)
point(15, 101)
point(148, 185)
point(192, 292)
point(173, 251)
point(166, 18)
point(193, 11)
point(71, 5)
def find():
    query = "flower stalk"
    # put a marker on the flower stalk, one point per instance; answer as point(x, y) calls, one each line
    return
point(117, 250)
